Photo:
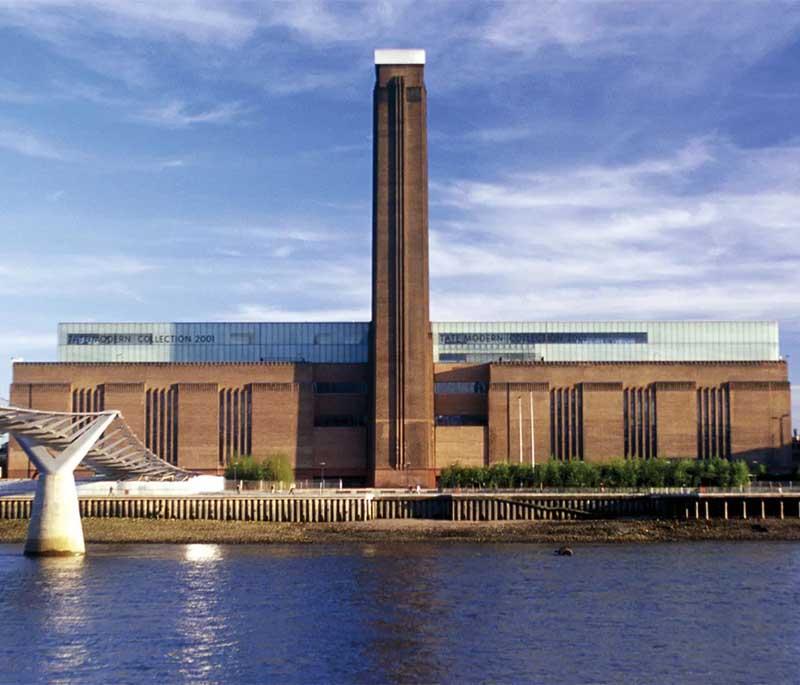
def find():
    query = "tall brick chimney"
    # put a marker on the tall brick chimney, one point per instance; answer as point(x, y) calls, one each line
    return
point(402, 351)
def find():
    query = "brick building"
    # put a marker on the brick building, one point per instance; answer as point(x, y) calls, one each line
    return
point(392, 401)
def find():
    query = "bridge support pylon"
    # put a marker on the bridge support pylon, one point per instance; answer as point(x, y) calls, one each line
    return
point(55, 527)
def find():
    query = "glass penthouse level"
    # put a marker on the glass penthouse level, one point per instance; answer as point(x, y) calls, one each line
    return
point(606, 341)
point(471, 342)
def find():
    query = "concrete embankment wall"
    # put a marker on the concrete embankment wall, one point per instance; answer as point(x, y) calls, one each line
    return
point(455, 507)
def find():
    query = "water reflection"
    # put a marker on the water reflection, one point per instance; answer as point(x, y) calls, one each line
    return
point(368, 550)
point(58, 611)
point(402, 613)
point(404, 635)
point(201, 553)
point(202, 621)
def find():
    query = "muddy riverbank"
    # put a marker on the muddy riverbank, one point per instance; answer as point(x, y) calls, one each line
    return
point(244, 532)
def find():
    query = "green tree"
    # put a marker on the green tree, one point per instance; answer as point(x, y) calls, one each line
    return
point(615, 474)
point(278, 469)
point(244, 468)
point(740, 473)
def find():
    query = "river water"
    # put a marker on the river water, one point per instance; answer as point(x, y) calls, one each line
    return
point(700, 612)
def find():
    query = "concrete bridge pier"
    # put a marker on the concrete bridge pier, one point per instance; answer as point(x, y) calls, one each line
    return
point(55, 527)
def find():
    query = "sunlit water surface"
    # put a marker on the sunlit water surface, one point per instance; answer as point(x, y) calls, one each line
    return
point(703, 612)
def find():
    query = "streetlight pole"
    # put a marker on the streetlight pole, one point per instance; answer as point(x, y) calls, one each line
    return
point(322, 476)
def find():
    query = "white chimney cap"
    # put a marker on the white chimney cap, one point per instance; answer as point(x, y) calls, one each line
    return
point(399, 57)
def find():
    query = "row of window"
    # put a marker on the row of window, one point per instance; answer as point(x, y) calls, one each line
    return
point(340, 421)
point(640, 423)
point(341, 388)
point(462, 420)
point(161, 423)
point(188, 339)
point(213, 352)
point(566, 421)
point(461, 388)
point(713, 423)
point(318, 333)
point(488, 357)
point(583, 338)
point(235, 423)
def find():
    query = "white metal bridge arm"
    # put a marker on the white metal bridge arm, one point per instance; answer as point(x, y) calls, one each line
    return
point(74, 454)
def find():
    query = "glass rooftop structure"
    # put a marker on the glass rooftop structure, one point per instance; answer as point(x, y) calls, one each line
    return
point(213, 342)
point(475, 342)
point(606, 341)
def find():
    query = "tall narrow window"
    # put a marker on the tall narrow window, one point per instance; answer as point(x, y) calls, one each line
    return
point(728, 453)
point(573, 424)
point(552, 425)
point(626, 433)
point(579, 424)
point(713, 451)
point(699, 423)
point(566, 421)
point(653, 423)
point(235, 423)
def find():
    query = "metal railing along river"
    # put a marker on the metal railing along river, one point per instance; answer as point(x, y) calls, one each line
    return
point(344, 506)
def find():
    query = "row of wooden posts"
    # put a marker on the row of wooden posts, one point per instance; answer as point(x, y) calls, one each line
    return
point(469, 507)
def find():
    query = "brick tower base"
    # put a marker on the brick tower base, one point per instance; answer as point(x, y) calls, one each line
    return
point(392, 478)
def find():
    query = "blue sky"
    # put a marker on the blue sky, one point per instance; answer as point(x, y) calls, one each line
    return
point(211, 160)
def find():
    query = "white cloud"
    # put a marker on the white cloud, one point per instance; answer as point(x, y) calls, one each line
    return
point(13, 94)
point(531, 25)
point(466, 40)
point(29, 144)
point(676, 301)
point(631, 241)
point(338, 22)
point(596, 28)
point(27, 275)
point(259, 312)
point(283, 251)
point(29, 340)
point(505, 134)
point(304, 229)
point(582, 187)
point(171, 164)
point(177, 114)
point(114, 38)
point(200, 21)
point(225, 252)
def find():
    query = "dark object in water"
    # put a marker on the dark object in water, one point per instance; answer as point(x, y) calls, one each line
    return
point(563, 552)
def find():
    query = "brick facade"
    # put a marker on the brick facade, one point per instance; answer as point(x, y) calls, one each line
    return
point(739, 410)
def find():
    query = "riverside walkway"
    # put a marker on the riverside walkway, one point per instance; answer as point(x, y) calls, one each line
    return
point(315, 506)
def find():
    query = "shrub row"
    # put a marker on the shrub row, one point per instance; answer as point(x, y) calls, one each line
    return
point(652, 473)
point(275, 468)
